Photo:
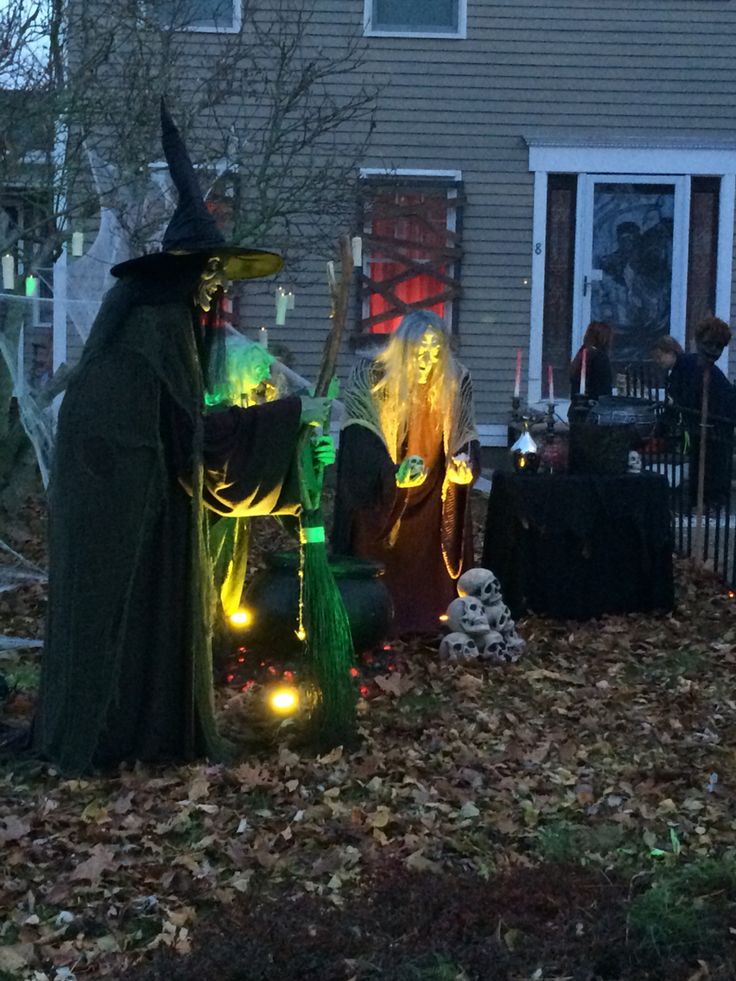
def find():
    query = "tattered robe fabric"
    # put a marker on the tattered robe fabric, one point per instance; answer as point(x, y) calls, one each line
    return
point(127, 668)
point(422, 535)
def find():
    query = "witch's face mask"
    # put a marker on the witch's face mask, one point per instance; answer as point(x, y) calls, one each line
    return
point(428, 354)
point(211, 280)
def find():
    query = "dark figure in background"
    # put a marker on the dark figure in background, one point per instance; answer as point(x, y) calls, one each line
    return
point(127, 671)
point(685, 396)
point(598, 376)
point(409, 454)
point(667, 353)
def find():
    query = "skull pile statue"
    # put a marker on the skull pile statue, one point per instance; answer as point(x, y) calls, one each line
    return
point(483, 586)
point(481, 624)
point(458, 648)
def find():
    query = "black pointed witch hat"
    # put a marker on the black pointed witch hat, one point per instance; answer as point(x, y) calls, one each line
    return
point(192, 229)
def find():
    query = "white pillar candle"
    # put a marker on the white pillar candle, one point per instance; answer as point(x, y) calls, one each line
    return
point(357, 247)
point(291, 296)
point(282, 304)
point(263, 337)
point(77, 243)
point(8, 272)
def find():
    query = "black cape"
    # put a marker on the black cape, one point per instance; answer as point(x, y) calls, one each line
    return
point(127, 663)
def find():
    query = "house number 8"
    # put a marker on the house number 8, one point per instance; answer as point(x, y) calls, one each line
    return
point(538, 248)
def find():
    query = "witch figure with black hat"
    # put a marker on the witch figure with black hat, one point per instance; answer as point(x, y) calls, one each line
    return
point(127, 671)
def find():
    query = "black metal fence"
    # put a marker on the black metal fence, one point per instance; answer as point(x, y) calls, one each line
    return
point(680, 448)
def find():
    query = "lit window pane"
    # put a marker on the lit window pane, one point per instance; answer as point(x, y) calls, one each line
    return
point(415, 15)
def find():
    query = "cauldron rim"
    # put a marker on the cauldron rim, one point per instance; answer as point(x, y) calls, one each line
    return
point(343, 566)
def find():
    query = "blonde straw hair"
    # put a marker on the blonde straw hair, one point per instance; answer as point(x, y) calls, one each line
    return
point(398, 390)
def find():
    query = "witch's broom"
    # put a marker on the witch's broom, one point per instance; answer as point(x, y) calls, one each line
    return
point(323, 618)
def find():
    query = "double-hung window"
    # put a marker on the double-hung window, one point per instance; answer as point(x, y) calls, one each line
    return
point(198, 15)
point(411, 249)
point(425, 18)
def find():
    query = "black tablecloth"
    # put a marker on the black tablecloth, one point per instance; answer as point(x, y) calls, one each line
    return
point(580, 545)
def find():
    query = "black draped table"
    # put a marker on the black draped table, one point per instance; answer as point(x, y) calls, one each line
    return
point(576, 546)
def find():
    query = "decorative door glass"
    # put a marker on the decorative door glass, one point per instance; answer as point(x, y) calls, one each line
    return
point(631, 280)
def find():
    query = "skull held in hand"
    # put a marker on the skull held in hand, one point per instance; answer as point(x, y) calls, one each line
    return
point(466, 615)
point(499, 618)
point(458, 648)
point(493, 648)
point(480, 583)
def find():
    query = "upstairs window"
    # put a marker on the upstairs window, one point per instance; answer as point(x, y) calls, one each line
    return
point(425, 18)
point(411, 251)
point(198, 15)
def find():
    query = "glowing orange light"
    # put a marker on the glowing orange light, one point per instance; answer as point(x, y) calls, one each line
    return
point(731, 594)
point(284, 701)
point(301, 633)
point(354, 672)
point(241, 618)
point(443, 617)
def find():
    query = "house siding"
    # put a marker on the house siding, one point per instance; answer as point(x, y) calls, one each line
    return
point(652, 70)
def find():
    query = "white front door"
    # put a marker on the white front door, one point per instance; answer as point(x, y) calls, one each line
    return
point(631, 260)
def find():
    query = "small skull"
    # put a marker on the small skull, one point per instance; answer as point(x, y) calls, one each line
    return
point(493, 648)
point(457, 648)
point(466, 614)
point(480, 583)
point(515, 646)
point(499, 618)
point(634, 462)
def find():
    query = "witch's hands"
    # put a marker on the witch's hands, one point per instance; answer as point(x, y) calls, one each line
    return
point(411, 472)
point(323, 451)
point(458, 469)
point(314, 410)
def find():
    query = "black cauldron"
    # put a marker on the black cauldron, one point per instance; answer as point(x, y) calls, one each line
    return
point(624, 410)
point(273, 598)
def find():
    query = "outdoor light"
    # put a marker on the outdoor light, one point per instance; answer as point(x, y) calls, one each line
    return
point(284, 700)
point(524, 453)
point(241, 618)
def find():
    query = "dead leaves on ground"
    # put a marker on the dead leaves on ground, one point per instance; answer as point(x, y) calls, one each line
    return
point(627, 726)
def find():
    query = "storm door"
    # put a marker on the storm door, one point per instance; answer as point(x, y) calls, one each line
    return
point(631, 261)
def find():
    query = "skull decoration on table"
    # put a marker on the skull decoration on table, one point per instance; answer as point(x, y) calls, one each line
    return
point(634, 462)
point(458, 648)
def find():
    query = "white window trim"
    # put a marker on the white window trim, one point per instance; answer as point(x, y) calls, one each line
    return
point(237, 23)
point(454, 176)
point(547, 157)
point(460, 34)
